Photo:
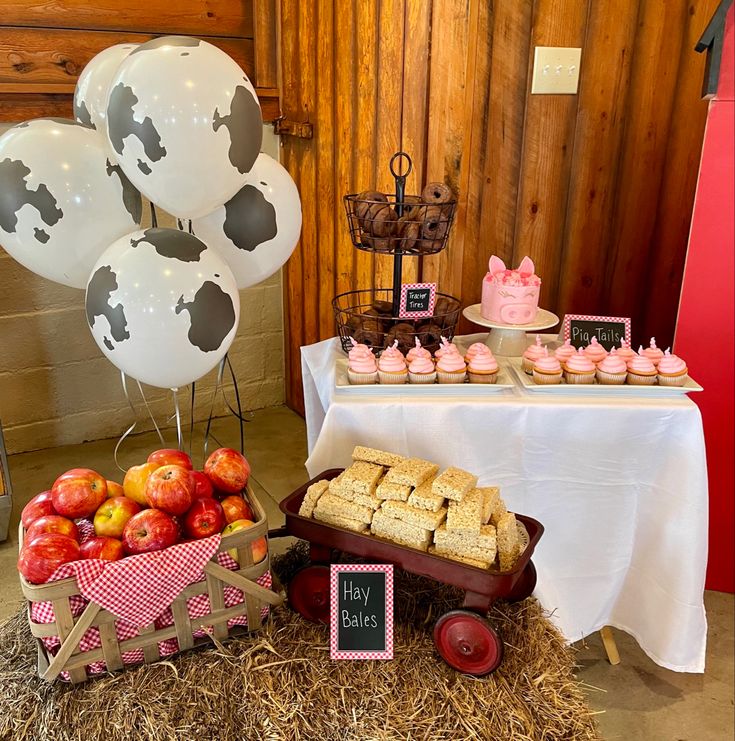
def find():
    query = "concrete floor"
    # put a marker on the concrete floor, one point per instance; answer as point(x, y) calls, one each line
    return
point(637, 700)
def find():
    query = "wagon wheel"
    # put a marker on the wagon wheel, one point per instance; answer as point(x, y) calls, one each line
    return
point(524, 586)
point(468, 643)
point(308, 593)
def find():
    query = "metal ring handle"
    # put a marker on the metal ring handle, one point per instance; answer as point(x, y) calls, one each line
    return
point(397, 156)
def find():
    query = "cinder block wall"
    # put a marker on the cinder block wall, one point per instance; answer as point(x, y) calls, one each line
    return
point(57, 388)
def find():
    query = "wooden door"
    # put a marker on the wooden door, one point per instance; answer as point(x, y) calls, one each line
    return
point(596, 187)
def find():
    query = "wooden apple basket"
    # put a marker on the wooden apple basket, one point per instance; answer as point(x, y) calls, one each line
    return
point(71, 630)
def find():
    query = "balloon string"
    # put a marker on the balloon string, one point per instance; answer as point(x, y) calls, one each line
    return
point(132, 426)
point(191, 421)
point(154, 218)
point(239, 405)
point(220, 372)
point(150, 414)
point(177, 411)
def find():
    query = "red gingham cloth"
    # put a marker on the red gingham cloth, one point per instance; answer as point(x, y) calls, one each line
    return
point(139, 590)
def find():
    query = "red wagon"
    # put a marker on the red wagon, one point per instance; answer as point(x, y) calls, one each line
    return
point(464, 637)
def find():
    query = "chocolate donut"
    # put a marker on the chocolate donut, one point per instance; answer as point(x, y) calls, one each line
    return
point(409, 204)
point(383, 308)
point(379, 244)
point(430, 335)
point(436, 193)
point(446, 311)
point(435, 223)
point(408, 232)
point(405, 333)
point(380, 220)
point(363, 202)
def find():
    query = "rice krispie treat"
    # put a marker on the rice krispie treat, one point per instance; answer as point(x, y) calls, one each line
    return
point(454, 483)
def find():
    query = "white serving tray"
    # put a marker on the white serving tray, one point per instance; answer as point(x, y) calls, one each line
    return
point(599, 389)
point(343, 385)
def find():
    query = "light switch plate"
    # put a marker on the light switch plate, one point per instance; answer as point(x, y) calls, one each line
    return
point(555, 70)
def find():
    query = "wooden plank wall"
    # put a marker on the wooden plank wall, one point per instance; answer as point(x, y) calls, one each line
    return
point(597, 187)
point(44, 46)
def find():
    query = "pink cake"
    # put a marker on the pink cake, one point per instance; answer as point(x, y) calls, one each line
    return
point(510, 296)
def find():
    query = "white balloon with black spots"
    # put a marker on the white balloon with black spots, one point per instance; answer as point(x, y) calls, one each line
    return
point(258, 229)
point(162, 306)
point(185, 124)
point(62, 201)
point(93, 86)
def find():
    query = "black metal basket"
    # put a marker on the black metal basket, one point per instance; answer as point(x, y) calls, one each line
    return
point(390, 226)
point(367, 316)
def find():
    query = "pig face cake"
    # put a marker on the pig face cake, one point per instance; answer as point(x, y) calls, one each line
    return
point(510, 296)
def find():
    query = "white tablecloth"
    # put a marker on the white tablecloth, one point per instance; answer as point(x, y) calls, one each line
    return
point(619, 484)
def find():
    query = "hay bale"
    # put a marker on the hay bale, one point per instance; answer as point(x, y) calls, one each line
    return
point(281, 684)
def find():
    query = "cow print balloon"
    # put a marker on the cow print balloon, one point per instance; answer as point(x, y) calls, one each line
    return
point(258, 229)
point(93, 86)
point(162, 306)
point(185, 124)
point(62, 202)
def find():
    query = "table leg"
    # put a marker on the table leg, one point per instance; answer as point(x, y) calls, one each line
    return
point(608, 641)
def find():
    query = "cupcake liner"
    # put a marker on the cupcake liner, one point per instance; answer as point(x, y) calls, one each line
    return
point(422, 377)
point(528, 365)
point(579, 377)
point(547, 379)
point(482, 377)
point(635, 380)
point(449, 377)
point(362, 378)
point(395, 378)
point(679, 380)
point(611, 379)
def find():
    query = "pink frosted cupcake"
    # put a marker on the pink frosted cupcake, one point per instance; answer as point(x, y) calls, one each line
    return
point(392, 365)
point(451, 368)
point(595, 351)
point(653, 353)
point(417, 352)
point(579, 368)
point(672, 370)
point(563, 353)
point(473, 349)
point(626, 352)
point(641, 370)
point(421, 370)
point(362, 367)
point(547, 369)
point(482, 366)
point(612, 370)
point(445, 346)
point(532, 354)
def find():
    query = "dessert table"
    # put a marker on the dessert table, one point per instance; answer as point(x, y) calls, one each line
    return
point(620, 485)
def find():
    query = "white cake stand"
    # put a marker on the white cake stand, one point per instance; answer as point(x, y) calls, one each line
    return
point(509, 340)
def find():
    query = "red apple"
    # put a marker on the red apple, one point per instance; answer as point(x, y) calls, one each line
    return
point(114, 489)
point(202, 485)
point(112, 515)
point(78, 493)
point(135, 480)
point(170, 457)
point(40, 506)
point(42, 555)
point(52, 524)
point(205, 518)
point(236, 508)
point(104, 547)
point(259, 547)
point(228, 470)
point(170, 488)
point(149, 530)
